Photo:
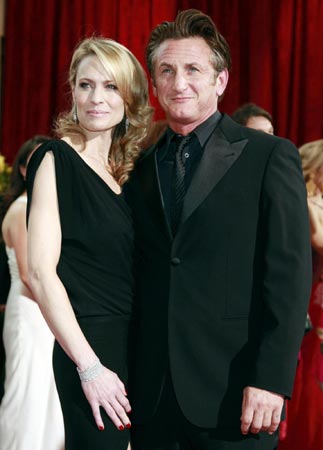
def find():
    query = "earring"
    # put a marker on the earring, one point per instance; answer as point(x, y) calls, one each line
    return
point(126, 124)
point(74, 114)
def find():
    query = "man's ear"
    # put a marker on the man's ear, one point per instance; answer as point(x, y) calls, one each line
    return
point(154, 87)
point(221, 82)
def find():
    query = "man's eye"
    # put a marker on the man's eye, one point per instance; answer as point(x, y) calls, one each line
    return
point(193, 69)
point(167, 70)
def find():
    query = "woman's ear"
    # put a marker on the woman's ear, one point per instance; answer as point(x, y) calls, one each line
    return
point(23, 171)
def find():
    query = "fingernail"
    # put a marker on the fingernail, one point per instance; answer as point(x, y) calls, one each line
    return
point(121, 427)
point(101, 428)
point(128, 425)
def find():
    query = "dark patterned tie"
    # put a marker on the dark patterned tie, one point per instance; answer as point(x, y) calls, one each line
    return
point(178, 183)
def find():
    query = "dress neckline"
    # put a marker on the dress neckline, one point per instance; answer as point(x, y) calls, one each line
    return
point(92, 170)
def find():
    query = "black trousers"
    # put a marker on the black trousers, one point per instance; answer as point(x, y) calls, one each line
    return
point(170, 430)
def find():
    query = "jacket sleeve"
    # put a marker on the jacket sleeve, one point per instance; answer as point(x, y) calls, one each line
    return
point(287, 271)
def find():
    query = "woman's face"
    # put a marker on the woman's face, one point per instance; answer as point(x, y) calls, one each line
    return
point(98, 102)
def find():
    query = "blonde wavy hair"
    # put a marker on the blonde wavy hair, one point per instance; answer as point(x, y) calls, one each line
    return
point(132, 84)
point(312, 159)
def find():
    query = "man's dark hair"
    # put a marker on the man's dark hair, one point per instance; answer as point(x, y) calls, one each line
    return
point(190, 23)
point(244, 112)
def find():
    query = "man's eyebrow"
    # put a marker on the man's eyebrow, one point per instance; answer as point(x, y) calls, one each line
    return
point(163, 63)
point(193, 63)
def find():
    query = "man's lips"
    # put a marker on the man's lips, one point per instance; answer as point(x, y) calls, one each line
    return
point(181, 99)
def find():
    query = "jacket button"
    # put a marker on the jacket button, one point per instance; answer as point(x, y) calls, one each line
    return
point(175, 261)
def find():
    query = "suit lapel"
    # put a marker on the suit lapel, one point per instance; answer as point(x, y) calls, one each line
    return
point(219, 155)
point(149, 181)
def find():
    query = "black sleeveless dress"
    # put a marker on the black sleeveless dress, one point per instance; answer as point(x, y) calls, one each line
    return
point(95, 266)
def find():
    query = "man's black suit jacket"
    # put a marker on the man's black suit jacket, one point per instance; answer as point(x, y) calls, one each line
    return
point(224, 302)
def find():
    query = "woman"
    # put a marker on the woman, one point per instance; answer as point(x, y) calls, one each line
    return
point(305, 409)
point(30, 414)
point(81, 240)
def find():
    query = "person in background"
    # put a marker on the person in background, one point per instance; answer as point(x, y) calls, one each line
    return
point(30, 413)
point(305, 410)
point(80, 240)
point(222, 259)
point(4, 291)
point(252, 116)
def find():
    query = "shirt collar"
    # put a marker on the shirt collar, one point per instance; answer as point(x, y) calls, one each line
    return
point(203, 132)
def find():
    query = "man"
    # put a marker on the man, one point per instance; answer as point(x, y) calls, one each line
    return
point(252, 116)
point(223, 275)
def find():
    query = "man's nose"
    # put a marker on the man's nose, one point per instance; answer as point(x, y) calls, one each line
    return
point(180, 81)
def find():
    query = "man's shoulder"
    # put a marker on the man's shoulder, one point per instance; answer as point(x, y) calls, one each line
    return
point(234, 132)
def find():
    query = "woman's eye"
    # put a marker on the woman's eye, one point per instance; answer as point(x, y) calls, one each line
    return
point(84, 85)
point(112, 86)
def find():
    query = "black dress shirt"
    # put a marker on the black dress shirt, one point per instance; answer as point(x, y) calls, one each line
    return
point(193, 153)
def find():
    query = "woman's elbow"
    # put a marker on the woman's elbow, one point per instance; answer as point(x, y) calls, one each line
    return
point(33, 277)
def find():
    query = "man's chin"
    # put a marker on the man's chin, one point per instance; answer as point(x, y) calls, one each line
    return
point(181, 117)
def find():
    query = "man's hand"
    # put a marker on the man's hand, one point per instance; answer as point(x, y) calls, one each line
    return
point(261, 410)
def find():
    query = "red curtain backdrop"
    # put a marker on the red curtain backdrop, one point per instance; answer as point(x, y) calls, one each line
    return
point(277, 52)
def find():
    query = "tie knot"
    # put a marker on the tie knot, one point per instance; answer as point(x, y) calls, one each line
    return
point(180, 142)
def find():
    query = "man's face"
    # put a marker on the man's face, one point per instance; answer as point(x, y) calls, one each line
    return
point(185, 81)
point(260, 123)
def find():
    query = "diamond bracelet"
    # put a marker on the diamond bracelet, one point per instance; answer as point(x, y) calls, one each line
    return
point(91, 372)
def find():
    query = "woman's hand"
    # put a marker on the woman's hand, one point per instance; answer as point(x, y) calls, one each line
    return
point(108, 391)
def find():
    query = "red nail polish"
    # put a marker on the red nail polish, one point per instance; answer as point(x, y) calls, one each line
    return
point(101, 428)
point(121, 427)
point(128, 425)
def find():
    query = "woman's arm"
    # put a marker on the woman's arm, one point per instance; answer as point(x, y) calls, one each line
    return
point(44, 246)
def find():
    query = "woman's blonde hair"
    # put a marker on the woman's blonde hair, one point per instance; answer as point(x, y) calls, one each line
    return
point(312, 159)
point(132, 84)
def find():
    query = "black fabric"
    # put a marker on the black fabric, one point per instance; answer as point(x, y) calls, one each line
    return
point(178, 182)
point(170, 430)
point(4, 291)
point(95, 264)
point(4, 274)
point(95, 267)
point(111, 340)
point(166, 158)
point(223, 304)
